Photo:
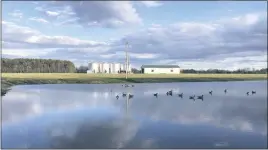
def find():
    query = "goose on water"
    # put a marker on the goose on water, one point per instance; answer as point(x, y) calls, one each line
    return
point(192, 97)
point(247, 93)
point(180, 95)
point(225, 91)
point(200, 97)
point(156, 94)
point(130, 96)
point(170, 92)
point(167, 93)
point(210, 92)
point(253, 92)
point(117, 96)
point(124, 94)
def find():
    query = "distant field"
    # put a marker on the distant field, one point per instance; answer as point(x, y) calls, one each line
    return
point(88, 76)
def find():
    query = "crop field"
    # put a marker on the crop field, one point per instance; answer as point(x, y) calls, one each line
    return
point(133, 76)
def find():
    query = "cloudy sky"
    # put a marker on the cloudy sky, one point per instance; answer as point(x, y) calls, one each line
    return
point(224, 35)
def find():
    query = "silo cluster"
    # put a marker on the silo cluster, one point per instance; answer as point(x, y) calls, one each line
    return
point(103, 67)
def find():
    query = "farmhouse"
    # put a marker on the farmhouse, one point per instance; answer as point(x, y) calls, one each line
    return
point(163, 69)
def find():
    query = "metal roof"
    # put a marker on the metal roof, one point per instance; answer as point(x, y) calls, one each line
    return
point(160, 66)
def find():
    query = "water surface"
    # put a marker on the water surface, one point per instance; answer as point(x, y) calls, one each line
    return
point(89, 116)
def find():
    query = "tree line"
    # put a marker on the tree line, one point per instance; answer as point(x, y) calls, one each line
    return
point(25, 65)
point(219, 71)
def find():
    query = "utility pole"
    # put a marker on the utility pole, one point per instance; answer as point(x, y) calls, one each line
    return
point(126, 63)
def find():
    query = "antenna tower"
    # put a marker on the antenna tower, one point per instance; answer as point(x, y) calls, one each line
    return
point(127, 60)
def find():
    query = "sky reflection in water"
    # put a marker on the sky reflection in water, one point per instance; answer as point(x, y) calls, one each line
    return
point(89, 116)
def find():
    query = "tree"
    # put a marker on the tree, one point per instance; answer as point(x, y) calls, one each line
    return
point(82, 69)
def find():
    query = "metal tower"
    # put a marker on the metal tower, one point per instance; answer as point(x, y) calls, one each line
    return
point(127, 60)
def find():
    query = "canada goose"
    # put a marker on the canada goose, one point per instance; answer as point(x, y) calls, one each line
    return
point(253, 92)
point(200, 97)
point(170, 92)
point(180, 95)
point(124, 94)
point(192, 97)
point(156, 94)
point(117, 96)
point(225, 91)
point(210, 92)
point(247, 93)
point(130, 96)
point(167, 93)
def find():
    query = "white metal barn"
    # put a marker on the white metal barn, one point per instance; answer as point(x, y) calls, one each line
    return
point(160, 69)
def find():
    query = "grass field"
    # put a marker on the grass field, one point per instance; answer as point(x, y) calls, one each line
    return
point(10, 79)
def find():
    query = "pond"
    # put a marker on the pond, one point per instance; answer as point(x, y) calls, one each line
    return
point(90, 116)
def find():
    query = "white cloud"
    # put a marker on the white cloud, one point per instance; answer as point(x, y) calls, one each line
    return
point(27, 53)
point(41, 20)
point(16, 14)
point(39, 8)
point(235, 42)
point(52, 13)
point(25, 35)
point(200, 42)
point(109, 14)
point(151, 3)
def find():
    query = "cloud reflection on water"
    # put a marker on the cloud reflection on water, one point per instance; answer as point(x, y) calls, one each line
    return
point(246, 114)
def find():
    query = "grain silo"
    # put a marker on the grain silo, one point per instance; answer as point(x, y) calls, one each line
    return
point(129, 68)
point(112, 65)
point(101, 67)
point(106, 68)
point(122, 67)
point(94, 67)
point(117, 67)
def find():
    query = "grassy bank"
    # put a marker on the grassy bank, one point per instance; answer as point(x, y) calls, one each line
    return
point(10, 79)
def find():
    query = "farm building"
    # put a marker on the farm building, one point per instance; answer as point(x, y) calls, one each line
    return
point(160, 69)
point(111, 68)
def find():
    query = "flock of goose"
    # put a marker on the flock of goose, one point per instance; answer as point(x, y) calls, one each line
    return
point(170, 93)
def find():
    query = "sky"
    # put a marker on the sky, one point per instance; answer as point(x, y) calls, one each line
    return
point(191, 34)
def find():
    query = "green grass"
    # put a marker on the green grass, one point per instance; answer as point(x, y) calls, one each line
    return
point(10, 79)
